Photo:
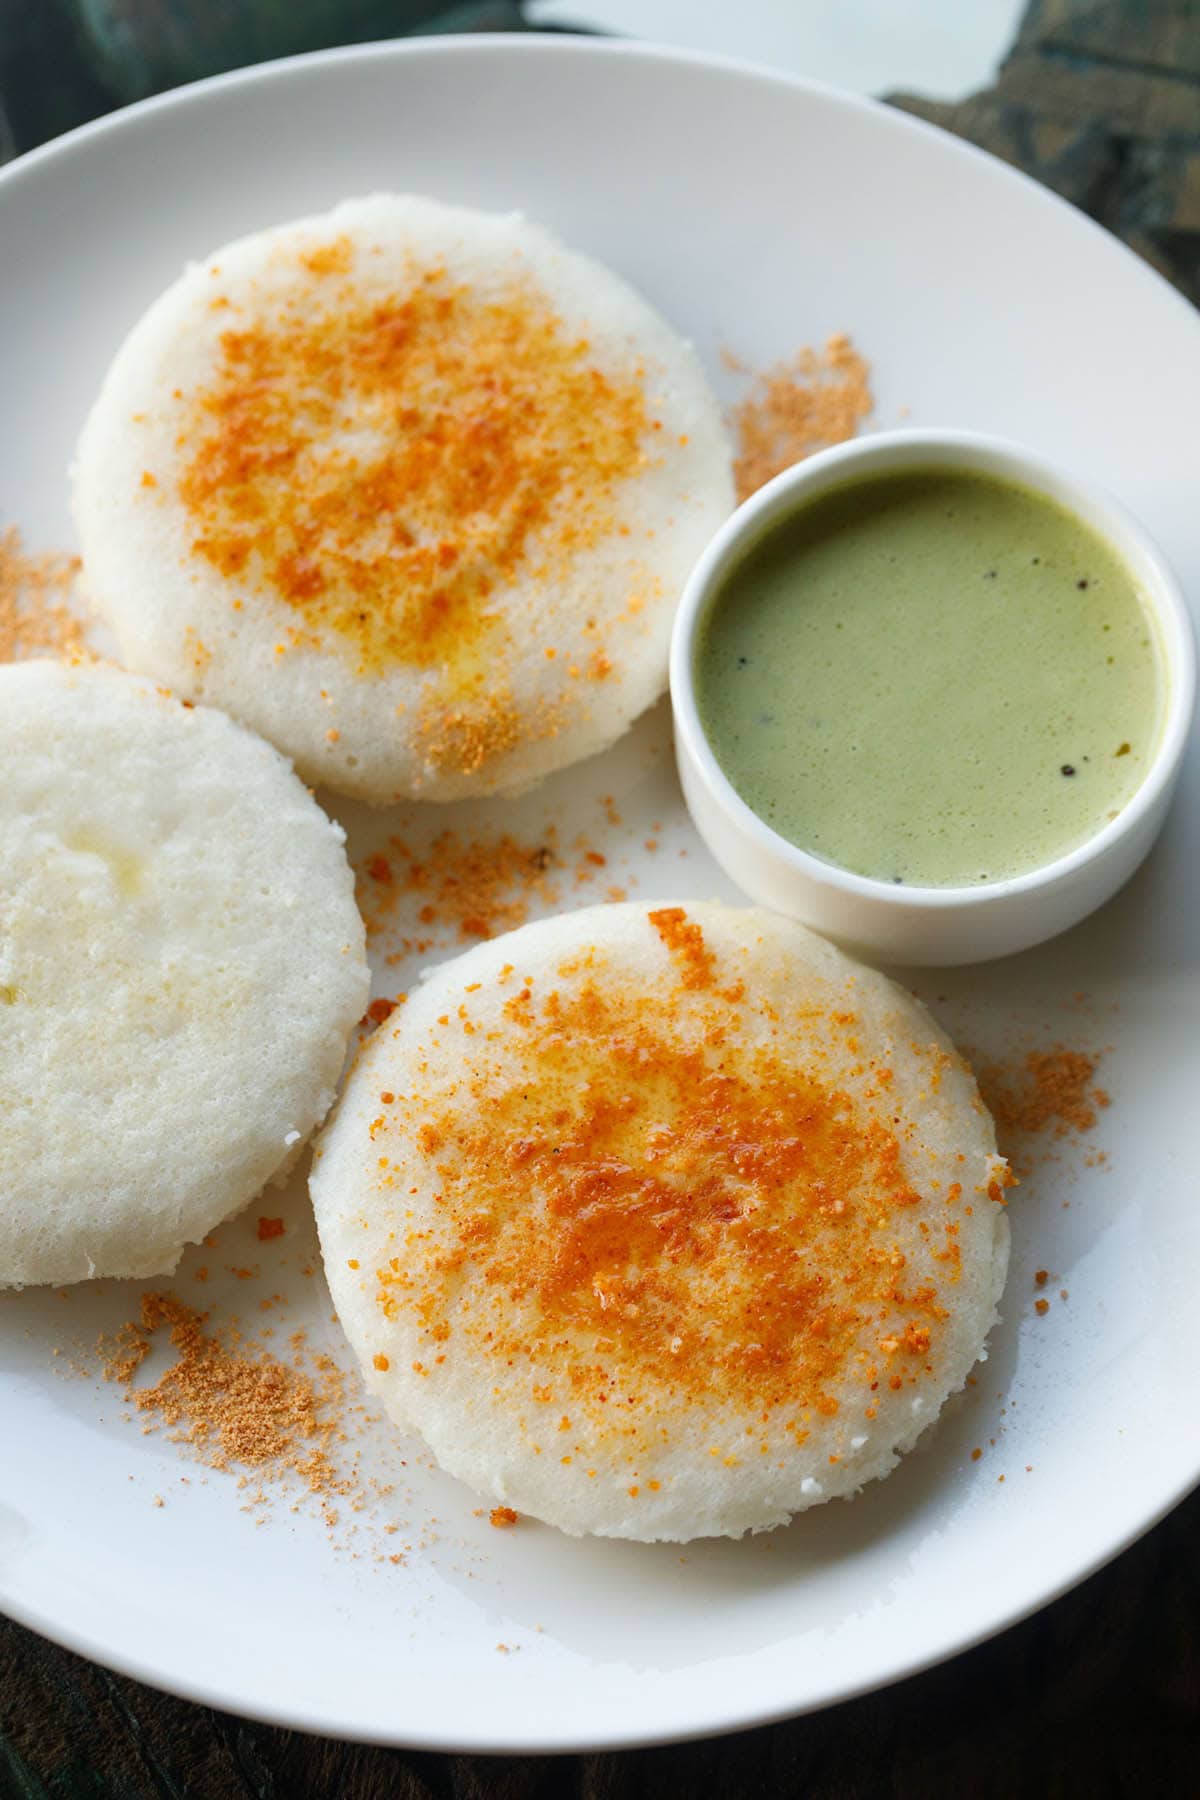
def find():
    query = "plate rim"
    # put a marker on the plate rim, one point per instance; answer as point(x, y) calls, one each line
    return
point(549, 43)
point(202, 1693)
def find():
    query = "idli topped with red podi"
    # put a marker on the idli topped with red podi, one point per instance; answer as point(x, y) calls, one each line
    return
point(662, 1222)
point(181, 965)
point(410, 489)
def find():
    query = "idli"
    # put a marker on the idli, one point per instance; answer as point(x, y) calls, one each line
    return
point(181, 963)
point(662, 1222)
point(411, 489)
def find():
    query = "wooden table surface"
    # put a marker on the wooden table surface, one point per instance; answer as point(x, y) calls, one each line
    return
point(1097, 1695)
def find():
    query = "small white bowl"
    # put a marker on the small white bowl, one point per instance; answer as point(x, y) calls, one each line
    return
point(929, 925)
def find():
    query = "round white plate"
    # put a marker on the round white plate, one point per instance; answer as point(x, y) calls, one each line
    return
point(759, 214)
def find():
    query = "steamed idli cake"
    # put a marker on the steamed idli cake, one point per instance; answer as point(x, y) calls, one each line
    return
point(181, 963)
point(662, 1223)
point(410, 489)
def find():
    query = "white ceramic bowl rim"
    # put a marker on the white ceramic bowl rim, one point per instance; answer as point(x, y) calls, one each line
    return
point(928, 447)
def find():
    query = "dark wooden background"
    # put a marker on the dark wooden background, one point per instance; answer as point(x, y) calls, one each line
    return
point(1098, 1695)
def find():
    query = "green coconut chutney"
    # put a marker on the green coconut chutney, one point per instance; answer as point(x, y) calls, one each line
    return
point(939, 678)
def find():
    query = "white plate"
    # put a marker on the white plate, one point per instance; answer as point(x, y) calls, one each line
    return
point(759, 214)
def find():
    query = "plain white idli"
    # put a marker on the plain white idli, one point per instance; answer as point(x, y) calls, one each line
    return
point(662, 1223)
point(181, 963)
point(410, 489)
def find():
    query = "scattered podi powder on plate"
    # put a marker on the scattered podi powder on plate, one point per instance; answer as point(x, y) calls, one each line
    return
point(287, 1429)
point(806, 403)
point(1044, 1090)
point(475, 886)
point(229, 1401)
point(462, 888)
point(36, 614)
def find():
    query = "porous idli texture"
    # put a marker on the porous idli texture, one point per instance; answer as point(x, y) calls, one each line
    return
point(662, 1222)
point(181, 963)
point(411, 489)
